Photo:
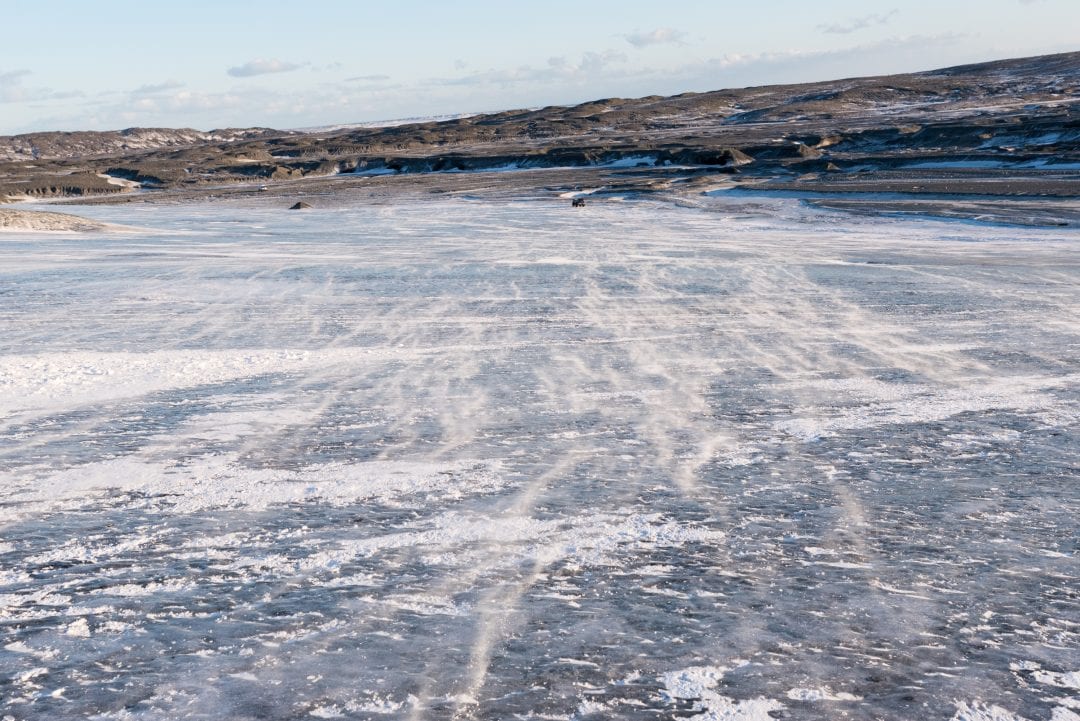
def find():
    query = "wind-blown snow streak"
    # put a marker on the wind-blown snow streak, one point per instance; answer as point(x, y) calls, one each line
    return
point(489, 461)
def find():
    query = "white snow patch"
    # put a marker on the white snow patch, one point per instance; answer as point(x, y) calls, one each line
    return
point(19, 647)
point(122, 182)
point(980, 712)
point(588, 707)
point(578, 193)
point(424, 604)
point(698, 683)
point(136, 590)
point(693, 682)
point(58, 380)
point(378, 704)
point(30, 674)
point(1024, 666)
point(870, 404)
point(221, 482)
point(820, 694)
point(592, 540)
point(79, 628)
point(1061, 680)
point(631, 161)
point(14, 606)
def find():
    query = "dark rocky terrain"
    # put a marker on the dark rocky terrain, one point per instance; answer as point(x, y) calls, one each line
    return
point(1009, 127)
point(92, 143)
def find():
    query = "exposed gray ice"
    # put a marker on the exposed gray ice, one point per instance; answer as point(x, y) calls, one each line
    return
point(504, 460)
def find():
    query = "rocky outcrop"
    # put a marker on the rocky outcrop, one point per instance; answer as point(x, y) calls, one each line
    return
point(52, 186)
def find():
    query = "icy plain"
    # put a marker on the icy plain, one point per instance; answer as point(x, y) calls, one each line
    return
point(509, 460)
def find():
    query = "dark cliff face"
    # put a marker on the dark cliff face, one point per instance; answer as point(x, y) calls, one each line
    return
point(1013, 111)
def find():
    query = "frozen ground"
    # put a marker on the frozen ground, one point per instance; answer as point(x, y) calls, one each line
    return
point(513, 461)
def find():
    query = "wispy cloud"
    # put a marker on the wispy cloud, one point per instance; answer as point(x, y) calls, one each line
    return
point(659, 36)
point(260, 66)
point(156, 88)
point(12, 77)
point(558, 69)
point(894, 54)
point(12, 89)
point(367, 79)
point(859, 23)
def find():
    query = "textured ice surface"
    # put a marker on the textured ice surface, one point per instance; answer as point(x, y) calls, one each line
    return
point(504, 460)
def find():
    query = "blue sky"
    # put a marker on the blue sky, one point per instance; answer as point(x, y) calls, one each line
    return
point(89, 65)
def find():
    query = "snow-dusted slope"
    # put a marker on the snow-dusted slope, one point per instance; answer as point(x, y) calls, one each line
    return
point(79, 144)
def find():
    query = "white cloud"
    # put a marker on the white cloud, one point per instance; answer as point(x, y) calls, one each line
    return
point(595, 62)
point(260, 66)
point(187, 100)
point(12, 76)
point(367, 79)
point(859, 23)
point(11, 87)
point(12, 90)
point(892, 55)
point(558, 70)
point(157, 88)
point(659, 36)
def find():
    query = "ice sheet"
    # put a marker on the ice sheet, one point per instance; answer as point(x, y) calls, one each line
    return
point(499, 460)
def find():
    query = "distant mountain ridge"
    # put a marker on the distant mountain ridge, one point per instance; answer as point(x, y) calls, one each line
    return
point(1009, 115)
point(89, 143)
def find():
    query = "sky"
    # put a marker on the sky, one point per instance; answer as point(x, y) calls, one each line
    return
point(76, 65)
